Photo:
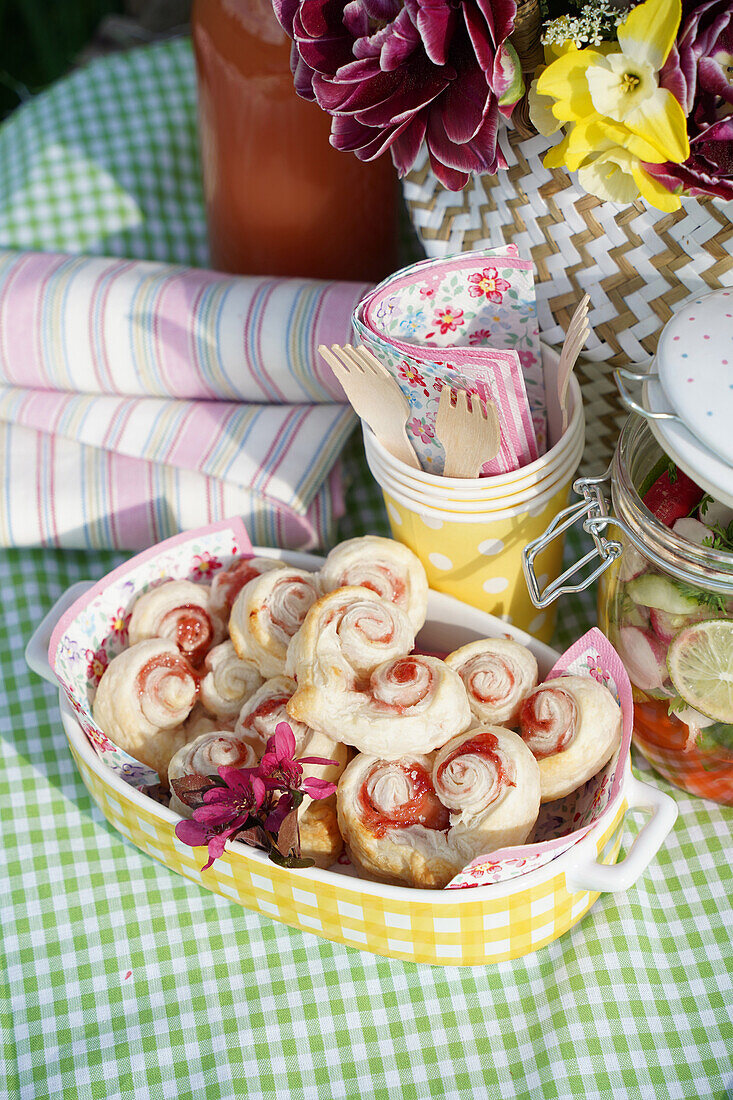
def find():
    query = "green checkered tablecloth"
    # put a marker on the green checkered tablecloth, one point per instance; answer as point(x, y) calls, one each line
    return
point(121, 979)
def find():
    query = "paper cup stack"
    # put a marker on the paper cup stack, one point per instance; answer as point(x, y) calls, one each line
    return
point(469, 533)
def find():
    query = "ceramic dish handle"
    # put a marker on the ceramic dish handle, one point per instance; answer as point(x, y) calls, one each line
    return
point(587, 873)
point(36, 652)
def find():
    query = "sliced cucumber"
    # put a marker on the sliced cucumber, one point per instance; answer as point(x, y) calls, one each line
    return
point(651, 590)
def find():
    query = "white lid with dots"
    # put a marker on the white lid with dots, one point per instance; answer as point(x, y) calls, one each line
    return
point(694, 364)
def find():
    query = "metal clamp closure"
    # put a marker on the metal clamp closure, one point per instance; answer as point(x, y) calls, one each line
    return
point(639, 376)
point(594, 507)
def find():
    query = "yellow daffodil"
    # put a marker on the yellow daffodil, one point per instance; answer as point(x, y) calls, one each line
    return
point(611, 108)
point(609, 162)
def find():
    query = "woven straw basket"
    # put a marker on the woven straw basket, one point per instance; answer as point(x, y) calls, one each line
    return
point(637, 264)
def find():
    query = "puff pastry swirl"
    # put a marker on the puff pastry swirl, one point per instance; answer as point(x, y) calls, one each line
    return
point(572, 724)
point(386, 567)
point(409, 705)
point(344, 636)
point(490, 783)
point(226, 585)
point(228, 681)
point(421, 818)
point(180, 611)
point(393, 823)
point(498, 675)
point(143, 699)
point(204, 756)
point(266, 614)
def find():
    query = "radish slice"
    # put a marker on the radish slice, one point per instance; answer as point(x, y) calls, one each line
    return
point(644, 657)
point(715, 512)
point(666, 626)
point(692, 530)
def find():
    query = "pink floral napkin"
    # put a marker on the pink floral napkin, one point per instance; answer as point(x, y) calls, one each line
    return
point(468, 321)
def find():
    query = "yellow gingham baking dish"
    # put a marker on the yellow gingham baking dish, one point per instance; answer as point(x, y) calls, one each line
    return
point(463, 927)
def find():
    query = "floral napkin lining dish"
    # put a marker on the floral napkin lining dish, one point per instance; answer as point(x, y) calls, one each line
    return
point(468, 321)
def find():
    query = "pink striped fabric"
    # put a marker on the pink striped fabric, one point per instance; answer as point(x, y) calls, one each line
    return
point(138, 399)
point(96, 325)
point(57, 492)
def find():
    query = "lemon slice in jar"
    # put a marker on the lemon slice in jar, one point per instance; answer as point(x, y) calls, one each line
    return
point(700, 664)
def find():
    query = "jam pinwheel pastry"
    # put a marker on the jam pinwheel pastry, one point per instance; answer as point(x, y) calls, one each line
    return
point(204, 756)
point(572, 725)
point(181, 612)
point(266, 614)
point(383, 565)
point(144, 697)
point(410, 704)
point(490, 783)
point(498, 675)
point(344, 636)
point(227, 682)
point(393, 823)
point(421, 818)
point(226, 586)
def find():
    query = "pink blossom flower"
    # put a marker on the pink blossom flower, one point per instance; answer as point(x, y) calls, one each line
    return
point(488, 283)
point(205, 563)
point(255, 799)
point(279, 770)
point(98, 661)
point(449, 319)
point(410, 374)
point(480, 336)
point(224, 812)
point(421, 429)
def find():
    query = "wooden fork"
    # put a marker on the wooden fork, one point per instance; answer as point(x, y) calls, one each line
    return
point(470, 433)
point(375, 397)
point(575, 337)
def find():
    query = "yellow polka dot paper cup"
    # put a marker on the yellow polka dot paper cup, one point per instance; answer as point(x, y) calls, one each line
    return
point(471, 544)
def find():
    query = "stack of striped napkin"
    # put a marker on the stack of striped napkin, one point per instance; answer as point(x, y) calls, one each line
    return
point(138, 399)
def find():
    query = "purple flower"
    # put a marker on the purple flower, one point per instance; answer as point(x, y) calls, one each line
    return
point(397, 73)
point(224, 812)
point(698, 73)
point(252, 802)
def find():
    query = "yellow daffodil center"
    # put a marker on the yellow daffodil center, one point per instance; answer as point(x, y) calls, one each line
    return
point(618, 85)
